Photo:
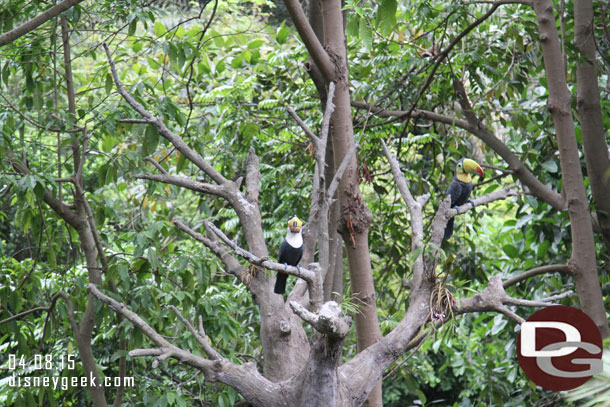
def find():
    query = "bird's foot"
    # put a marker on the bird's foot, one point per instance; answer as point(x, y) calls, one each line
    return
point(471, 203)
point(299, 271)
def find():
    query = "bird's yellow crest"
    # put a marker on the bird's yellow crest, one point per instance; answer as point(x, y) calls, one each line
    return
point(295, 224)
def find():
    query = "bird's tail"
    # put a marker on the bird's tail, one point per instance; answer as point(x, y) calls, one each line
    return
point(280, 283)
point(448, 229)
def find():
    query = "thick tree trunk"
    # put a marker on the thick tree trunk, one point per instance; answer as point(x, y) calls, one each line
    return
point(355, 215)
point(583, 258)
point(590, 115)
point(281, 331)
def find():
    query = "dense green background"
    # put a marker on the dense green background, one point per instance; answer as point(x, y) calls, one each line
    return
point(241, 76)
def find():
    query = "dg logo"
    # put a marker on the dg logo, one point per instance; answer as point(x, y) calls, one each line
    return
point(559, 348)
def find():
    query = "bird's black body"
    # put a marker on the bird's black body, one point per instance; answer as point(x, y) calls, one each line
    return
point(288, 255)
point(459, 192)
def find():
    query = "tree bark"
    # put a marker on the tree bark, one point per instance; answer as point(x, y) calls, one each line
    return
point(590, 116)
point(583, 258)
point(84, 335)
point(355, 215)
point(331, 59)
point(35, 22)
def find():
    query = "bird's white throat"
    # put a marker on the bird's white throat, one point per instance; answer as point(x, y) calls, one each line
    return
point(294, 239)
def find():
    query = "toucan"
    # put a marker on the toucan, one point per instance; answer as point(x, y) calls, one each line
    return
point(461, 187)
point(291, 252)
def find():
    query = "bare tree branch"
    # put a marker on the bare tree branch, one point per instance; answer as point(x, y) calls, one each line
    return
point(308, 132)
point(216, 190)
point(201, 339)
point(328, 320)
point(332, 187)
point(562, 268)
point(165, 132)
point(415, 210)
point(211, 242)
point(156, 165)
point(23, 314)
point(37, 21)
point(494, 298)
point(244, 378)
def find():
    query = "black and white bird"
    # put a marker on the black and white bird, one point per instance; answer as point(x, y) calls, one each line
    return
point(461, 187)
point(291, 252)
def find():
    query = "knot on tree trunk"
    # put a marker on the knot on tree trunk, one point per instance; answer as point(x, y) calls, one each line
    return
point(355, 216)
point(285, 328)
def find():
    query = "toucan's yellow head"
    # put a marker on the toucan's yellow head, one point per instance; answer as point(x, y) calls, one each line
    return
point(295, 224)
point(465, 167)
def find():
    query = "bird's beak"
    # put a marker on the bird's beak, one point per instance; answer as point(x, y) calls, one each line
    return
point(294, 225)
point(472, 167)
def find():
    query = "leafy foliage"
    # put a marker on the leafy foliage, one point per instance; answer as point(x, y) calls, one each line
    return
point(225, 90)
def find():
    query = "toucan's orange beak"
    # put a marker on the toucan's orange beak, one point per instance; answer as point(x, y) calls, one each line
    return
point(472, 167)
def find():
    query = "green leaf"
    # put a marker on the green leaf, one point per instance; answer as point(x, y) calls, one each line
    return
point(133, 25)
point(550, 166)
point(282, 34)
point(181, 163)
point(386, 16)
point(353, 22)
point(109, 83)
point(255, 44)
point(543, 248)
point(137, 46)
point(236, 62)
point(152, 63)
point(511, 251)
point(180, 32)
point(151, 141)
point(366, 34)
point(159, 29)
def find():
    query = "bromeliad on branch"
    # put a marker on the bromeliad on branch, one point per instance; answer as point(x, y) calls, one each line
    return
point(461, 187)
point(291, 252)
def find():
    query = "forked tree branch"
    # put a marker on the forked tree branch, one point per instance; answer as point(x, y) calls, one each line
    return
point(415, 207)
point(327, 321)
point(494, 298)
point(313, 44)
point(332, 187)
point(244, 378)
point(211, 242)
point(201, 338)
